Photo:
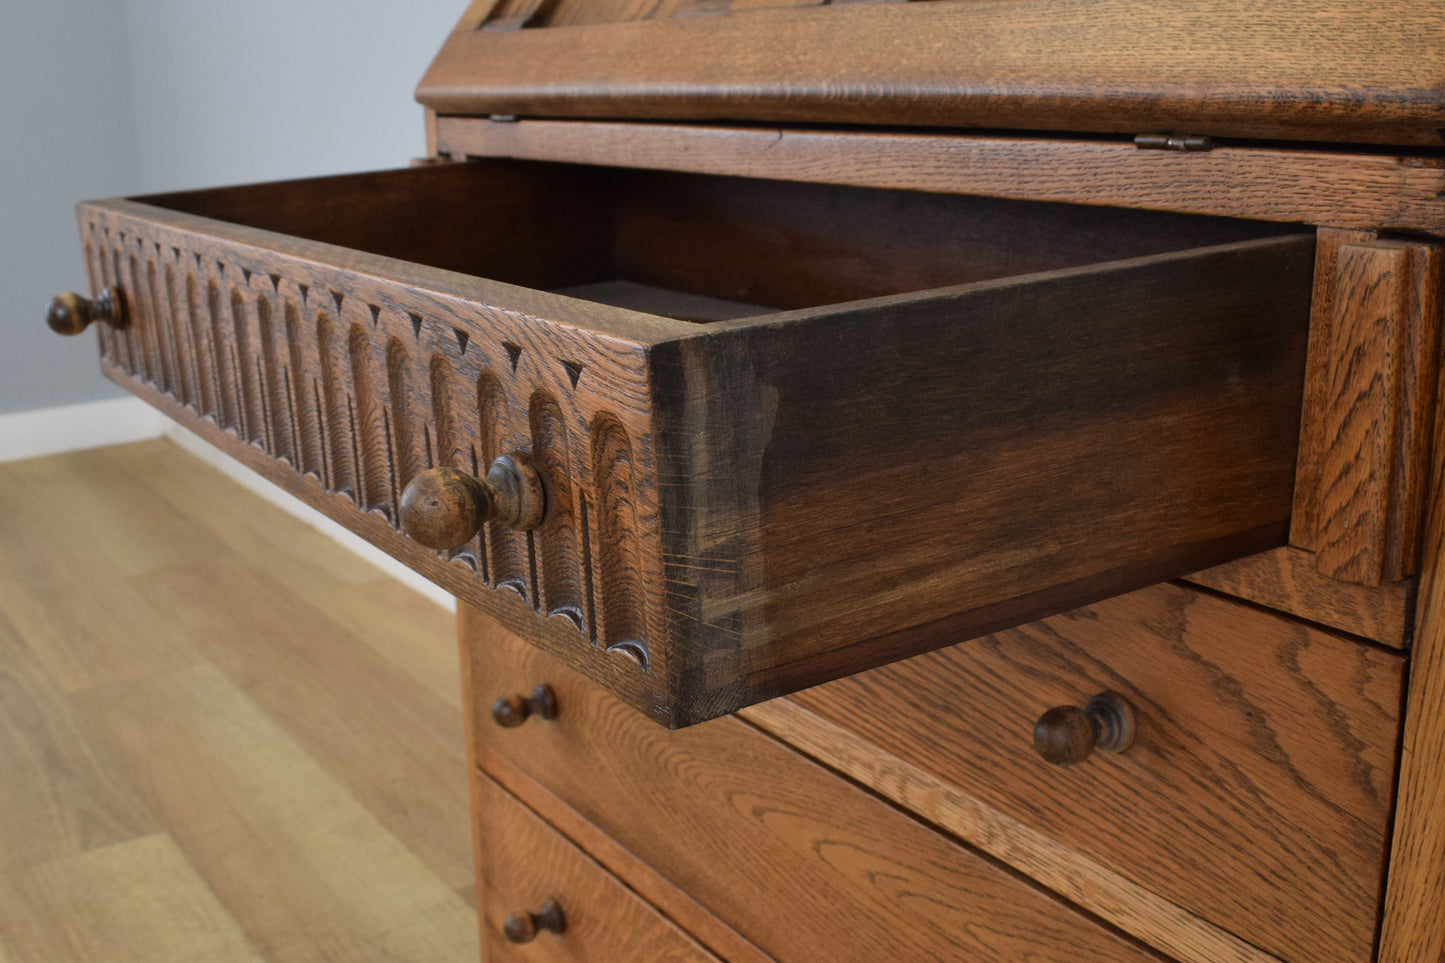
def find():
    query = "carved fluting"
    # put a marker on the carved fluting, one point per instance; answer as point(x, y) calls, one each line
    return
point(276, 385)
point(439, 437)
point(180, 344)
point(244, 311)
point(359, 397)
point(559, 533)
point(333, 405)
point(200, 342)
point(374, 441)
point(618, 550)
point(508, 550)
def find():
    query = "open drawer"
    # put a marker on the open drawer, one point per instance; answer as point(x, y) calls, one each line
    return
point(743, 436)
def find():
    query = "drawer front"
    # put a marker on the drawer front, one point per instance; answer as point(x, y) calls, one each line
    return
point(799, 862)
point(523, 865)
point(1257, 793)
point(919, 447)
point(341, 375)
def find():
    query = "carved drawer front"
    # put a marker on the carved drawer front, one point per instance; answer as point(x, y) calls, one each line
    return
point(1258, 788)
point(800, 863)
point(543, 899)
point(739, 437)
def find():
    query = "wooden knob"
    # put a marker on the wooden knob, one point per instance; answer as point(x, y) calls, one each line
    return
point(1067, 735)
point(509, 712)
point(71, 314)
point(444, 508)
point(524, 927)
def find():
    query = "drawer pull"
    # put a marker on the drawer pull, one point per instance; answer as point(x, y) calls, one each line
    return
point(1067, 735)
point(524, 927)
point(444, 508)
point(509, 712)
point(71, 314)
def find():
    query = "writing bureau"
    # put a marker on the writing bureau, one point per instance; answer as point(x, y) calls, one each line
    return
point(1044, 521)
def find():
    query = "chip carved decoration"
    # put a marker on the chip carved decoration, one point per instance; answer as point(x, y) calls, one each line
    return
point(357, 384)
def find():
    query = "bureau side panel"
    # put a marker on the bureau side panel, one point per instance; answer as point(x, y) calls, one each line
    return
point(1414, 927)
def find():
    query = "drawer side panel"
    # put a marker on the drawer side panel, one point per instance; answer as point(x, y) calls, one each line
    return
point(911, 472)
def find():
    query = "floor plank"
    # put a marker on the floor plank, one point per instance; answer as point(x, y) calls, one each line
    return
point(58, 796)
point(305, 867)
point(222, 736)
point(382, 612)
point(366, 723)
point(136, 902)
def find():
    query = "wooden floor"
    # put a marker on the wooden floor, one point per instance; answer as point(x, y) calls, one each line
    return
point(222, 737)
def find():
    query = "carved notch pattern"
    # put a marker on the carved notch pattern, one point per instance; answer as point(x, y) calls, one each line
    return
point(357, 391)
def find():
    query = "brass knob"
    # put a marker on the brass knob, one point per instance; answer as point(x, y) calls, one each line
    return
point(71, 314)
point(509, 712)
point(524, 927)
point(444, 508)
point(1067, 735)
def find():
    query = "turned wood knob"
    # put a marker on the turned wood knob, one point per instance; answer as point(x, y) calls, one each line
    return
point(511, 711)
point(1067, 735)
point(524, 927)
point(444, 508)
point(71, 314)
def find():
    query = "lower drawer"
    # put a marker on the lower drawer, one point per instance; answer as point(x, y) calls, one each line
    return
point(799, 862)
point(1257, 793)
point(541, 898)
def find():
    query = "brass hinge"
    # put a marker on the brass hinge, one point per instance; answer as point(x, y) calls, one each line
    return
point(1184, 142)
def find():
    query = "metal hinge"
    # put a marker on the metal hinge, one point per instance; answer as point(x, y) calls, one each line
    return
point(1184, 142)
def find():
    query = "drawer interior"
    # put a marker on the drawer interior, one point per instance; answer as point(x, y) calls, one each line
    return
point(696, 247)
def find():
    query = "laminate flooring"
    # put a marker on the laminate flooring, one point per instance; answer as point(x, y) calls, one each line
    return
point(222, 736)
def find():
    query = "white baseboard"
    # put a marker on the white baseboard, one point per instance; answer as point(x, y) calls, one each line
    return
point(294, 506)
point(93, 424)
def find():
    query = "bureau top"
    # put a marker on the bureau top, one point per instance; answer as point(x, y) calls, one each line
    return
point(1304, 70)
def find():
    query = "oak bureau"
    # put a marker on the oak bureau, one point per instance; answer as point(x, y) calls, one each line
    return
point(935, 480)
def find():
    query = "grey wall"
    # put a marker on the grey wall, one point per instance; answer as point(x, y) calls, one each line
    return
point(105, 98)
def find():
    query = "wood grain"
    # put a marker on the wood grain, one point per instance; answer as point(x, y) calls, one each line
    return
point(1414, 927)
point(61, 797)
point(642, 879)
point(1288, 580)
point(574, 13)
point(1293, 70)
point(689, 558)
point(1258, 792)
point(381, 614)
point(353, 891)
point(677, 905)
point(523, 862)
point(139, 901)
point(1369, 417)
point(124, 833)
point(1331, 188)
point(863, 534)
point(802, 864)
point(1114, 898)
point(349, 389)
